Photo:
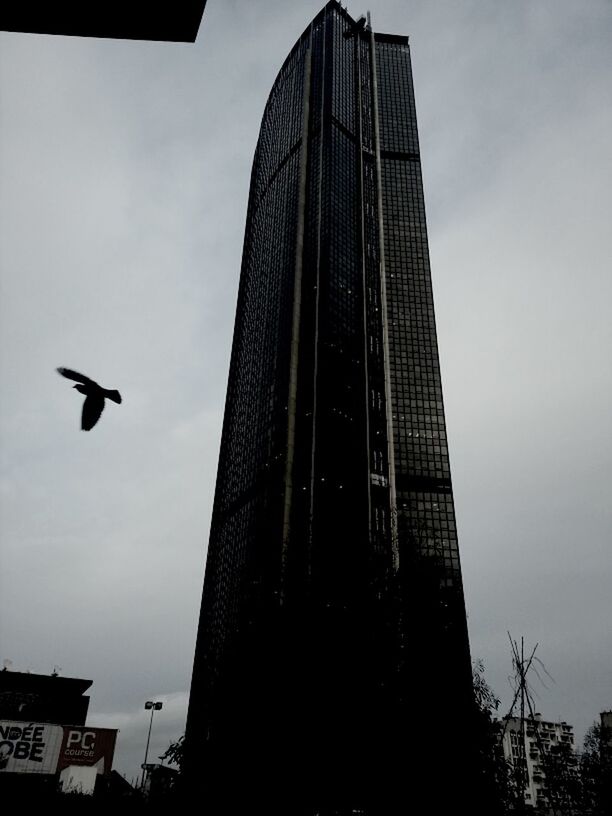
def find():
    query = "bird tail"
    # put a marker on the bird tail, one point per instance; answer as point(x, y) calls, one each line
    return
point(115, 396)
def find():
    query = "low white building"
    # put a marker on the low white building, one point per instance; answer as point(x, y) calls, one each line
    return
point(526, 746)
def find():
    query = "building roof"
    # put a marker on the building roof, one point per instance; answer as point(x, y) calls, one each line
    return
point(48, 684)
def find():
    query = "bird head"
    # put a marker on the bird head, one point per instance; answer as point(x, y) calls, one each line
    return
point(80, 387)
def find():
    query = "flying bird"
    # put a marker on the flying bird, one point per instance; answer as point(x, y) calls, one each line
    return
point(95, 396)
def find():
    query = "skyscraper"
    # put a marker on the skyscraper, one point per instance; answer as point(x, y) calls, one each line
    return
point(332, 645)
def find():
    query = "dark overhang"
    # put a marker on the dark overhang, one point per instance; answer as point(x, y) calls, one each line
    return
point(116, 19)
point(46, 684)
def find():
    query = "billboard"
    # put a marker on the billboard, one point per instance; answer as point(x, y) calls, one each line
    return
point(43, 748)
point(29, 747)
point(87, 746)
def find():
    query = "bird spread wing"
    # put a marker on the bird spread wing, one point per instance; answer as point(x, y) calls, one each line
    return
point(74, 375)
point(92, 410)
point(115, 396)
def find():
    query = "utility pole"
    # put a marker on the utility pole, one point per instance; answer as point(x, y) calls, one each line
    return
point(521, 668)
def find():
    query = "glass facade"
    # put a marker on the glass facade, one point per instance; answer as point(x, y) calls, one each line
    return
point(333, 625)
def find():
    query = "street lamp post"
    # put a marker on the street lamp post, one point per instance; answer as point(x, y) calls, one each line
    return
point(154, 707)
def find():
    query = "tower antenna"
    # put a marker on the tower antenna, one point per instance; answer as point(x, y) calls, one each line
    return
point(521, 668)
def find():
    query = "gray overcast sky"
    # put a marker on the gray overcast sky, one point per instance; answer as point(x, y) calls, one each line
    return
point(124, 171)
